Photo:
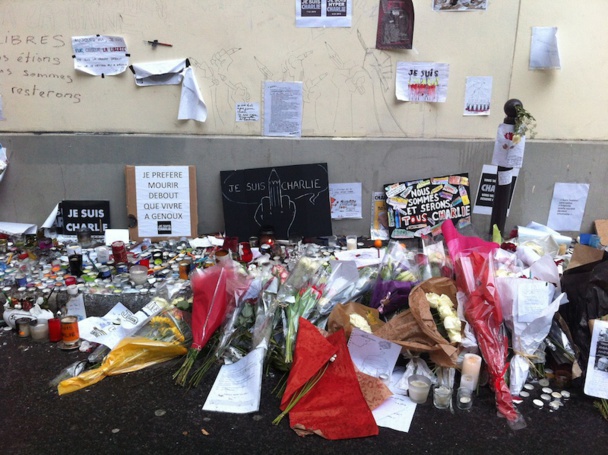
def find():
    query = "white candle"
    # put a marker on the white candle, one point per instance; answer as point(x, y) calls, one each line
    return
point(351, 242)
point(467, 382)
point(40, 331)
point(418, 388)
point(471, 366)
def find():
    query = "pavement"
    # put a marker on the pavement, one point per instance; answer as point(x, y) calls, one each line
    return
point(144, 412)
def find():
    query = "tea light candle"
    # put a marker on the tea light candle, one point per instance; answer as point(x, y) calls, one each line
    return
point(471, 365)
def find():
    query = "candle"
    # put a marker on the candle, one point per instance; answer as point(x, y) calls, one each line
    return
point(442, 396)
point(464, 399)
point(467, 382)
point(40, 332)
point(351, 242)
point(471, 366)
point(418, 388)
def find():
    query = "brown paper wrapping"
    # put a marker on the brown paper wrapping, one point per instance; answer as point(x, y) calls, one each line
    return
point(415, 330)
point(339, 317)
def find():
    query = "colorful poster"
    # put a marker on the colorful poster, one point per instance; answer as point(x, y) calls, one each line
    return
point(422, 81)
point(419, 207)
point(324, 13)
point(395, 24)
point(477, 96)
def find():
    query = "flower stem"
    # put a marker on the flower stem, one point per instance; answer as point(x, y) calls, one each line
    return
point(303, 391)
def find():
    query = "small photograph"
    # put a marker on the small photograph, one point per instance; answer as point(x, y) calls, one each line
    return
point(459, 5)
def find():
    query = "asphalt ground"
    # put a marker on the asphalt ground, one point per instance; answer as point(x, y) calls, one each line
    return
point(144, 412)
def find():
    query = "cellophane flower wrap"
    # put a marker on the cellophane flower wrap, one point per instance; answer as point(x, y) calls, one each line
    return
point(529, 300)
point(213, 294)
point(475, 277)
point(164, 337)
point(299, 296)
point(397, 276)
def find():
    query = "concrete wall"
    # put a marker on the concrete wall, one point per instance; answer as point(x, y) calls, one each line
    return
point(45, 169)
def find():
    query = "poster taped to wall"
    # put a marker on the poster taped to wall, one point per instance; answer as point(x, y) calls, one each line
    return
point(395, 24)
point(324, 13)
point(422, 81)
point(419, 207)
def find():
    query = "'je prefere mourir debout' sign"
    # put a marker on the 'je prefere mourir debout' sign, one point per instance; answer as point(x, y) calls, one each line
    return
point(419, 207)
point(163, 201)
point(290, 199)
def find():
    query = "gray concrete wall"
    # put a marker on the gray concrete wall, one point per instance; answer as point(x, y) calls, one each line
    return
point(45, 169)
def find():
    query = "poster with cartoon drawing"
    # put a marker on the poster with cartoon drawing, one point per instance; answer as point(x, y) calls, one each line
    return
point(419, 207)
point(422, 81)
point(293, 200)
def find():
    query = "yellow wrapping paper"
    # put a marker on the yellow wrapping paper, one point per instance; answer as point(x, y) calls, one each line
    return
point(131, 354)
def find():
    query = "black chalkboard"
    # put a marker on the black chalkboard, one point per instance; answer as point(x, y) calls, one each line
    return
point(290, 199)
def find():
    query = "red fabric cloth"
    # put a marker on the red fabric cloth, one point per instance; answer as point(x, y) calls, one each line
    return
point(335, 408)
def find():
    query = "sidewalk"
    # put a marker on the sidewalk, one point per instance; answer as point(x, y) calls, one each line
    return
point(145, 413)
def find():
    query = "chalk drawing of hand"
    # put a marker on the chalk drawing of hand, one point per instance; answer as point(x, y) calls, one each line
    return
point(276, 209)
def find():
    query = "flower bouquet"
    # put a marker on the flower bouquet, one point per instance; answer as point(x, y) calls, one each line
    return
point(528, 305)
point(213, 294)
point(475, 278)
point(163, 338)
point(299, 296)
point(397, 276)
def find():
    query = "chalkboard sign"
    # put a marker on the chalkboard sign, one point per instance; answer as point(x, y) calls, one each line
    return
point(290, 199)
point(419, 207)
point(73, 216)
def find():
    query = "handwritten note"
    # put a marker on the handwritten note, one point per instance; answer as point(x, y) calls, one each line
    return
point(373, 355)
point(568, 206)
point(237, 387)
point(247, 112)
point(532, 299)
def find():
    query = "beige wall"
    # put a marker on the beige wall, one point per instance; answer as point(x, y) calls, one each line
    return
point(348, 95)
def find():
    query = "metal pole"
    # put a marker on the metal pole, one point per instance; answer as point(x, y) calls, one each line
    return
point(503, 189)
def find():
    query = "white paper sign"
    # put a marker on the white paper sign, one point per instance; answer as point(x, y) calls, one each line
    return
point(247, 112)
point(163, 201)
point(283, 109)
point(544, 53)
point(532, 299)
point(345, 200)
point(568, 206)
point(477, 96)
point(100, 54)
point(373, 355)
point(422, 81)
point(596, 382)
point(237, 387)
point(506, 152)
